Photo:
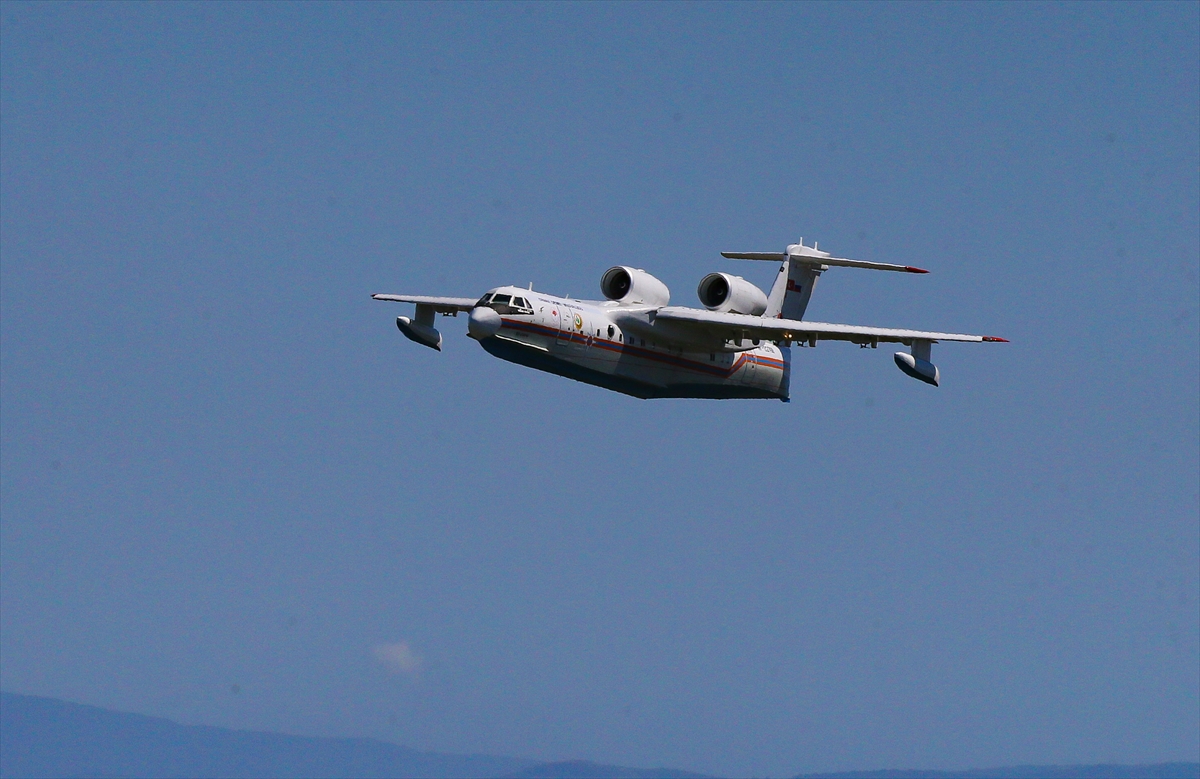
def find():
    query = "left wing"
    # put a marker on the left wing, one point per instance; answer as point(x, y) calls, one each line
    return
point(738, 327)
point(440, 305)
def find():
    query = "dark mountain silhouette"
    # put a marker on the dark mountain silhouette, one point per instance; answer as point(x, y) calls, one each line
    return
point(1102, 771)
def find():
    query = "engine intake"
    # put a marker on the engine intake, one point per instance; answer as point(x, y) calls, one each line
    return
point(724, 293)
point(633, 287)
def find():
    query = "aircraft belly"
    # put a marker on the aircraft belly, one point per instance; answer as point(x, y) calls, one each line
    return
point(552, 361)
point(640, 371)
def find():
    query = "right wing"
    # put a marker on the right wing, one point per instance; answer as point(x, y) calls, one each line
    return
point(440, 305)
point(741, 326)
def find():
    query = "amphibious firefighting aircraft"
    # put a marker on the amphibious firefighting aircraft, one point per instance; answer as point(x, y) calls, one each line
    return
point(737, 346)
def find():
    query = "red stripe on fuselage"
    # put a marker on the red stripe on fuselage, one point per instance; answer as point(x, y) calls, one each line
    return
point(635, 351)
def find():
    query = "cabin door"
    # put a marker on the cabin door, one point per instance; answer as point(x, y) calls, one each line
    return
point(751, 369)
point(563, 326)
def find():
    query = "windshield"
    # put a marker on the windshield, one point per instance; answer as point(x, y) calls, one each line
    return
point(506, 304)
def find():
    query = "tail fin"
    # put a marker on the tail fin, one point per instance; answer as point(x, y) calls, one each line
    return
point(792, 289)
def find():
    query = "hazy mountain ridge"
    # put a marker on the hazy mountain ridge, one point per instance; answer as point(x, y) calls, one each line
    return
point(583, 769)
point(44, 737)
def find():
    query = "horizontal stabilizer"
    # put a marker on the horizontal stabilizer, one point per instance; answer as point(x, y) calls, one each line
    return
point(774, 256)
point(812, 256)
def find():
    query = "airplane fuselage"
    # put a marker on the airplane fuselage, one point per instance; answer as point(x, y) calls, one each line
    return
point(620, 348)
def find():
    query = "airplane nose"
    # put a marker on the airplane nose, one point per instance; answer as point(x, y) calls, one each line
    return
point(483, 323)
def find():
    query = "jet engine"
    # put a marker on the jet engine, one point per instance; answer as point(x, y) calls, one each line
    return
point(725, 294)
point(633, 287)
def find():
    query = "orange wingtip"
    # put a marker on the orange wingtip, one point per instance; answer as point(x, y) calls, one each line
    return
point(911, 269)
point(996, 338)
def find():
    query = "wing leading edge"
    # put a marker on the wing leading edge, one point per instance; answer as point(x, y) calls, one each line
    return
point(741, 326)
point(440, 305)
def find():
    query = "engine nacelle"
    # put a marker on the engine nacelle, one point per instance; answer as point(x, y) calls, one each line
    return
point(726, 294)
point(633, 287)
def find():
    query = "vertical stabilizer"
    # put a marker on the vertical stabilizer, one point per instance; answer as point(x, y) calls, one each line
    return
point(801, 280)
point(778, 290)
point(792, 289)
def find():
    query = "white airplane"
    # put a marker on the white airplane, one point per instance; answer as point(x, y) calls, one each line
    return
point(737, 346)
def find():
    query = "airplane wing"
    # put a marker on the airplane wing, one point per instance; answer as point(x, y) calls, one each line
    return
point(440, 305)
point(741, 326)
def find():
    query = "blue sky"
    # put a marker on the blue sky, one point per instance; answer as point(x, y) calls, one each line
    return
point(231, 493)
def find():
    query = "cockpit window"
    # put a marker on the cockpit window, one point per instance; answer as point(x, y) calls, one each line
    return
point(506, 304)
